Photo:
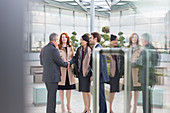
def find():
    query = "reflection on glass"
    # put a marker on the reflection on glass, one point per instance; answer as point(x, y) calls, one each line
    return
point(37, 42)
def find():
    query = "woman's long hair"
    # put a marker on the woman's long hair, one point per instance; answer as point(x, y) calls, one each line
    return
point(130, 39)
point(87, 37)
point(68, 41)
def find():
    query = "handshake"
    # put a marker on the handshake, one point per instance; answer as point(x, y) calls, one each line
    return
point(68, 63)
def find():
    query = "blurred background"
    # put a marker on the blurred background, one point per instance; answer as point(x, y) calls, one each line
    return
point(25, 27)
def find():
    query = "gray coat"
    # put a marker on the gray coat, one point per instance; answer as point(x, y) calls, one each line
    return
point(51, 60)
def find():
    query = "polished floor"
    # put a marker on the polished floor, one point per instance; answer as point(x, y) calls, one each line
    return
point(77, 102)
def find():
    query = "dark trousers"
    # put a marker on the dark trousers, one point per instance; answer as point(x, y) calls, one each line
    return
point(102, 99)
point(51, 97)
point(145, 96)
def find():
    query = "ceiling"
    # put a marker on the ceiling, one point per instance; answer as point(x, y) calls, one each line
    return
point(105, 7)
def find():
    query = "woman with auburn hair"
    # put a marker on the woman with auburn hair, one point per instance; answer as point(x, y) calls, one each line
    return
point(67, 76)
point(135, 85)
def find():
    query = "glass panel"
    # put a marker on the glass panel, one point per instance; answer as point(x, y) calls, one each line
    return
point(52, 15)
point(156, 93)
point(51, 29)
point(37, 16)
point(67, 29)
point(38, 28)
point(35, 6)
point(97, 29)
point(26, 42)
point(80, 31)
point(104, 22)
point(114, 21)
point(142, 28)
point(140, 19)
point(127, 30)
point(114, 30)
point(67, 17)
point(96, 22)
point(37, 42)
point(80, 19)
point(37, 12)
point(130, 22)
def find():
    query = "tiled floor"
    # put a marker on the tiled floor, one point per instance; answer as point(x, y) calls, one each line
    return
point(77, 102)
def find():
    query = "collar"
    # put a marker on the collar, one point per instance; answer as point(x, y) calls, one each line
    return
point(95, 45)
point(52, 44)
point(148, 45)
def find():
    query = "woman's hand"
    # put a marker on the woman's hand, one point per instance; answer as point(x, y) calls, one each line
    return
point(68, 64)
point(91, 78)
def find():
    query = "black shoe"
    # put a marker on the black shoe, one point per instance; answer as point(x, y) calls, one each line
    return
point(86, 111)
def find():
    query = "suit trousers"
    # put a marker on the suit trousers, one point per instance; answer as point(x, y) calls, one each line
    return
point(145, 101)
point(51, 96)
point(102, 99)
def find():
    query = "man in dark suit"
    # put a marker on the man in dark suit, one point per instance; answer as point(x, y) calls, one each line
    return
point(51, 60)
point(95, 40)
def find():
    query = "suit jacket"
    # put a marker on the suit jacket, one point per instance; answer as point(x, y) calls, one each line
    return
point(51, 60)
point(103, 67)
point(141, 64)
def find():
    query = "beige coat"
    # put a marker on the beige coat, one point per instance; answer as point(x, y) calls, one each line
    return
point(112, 66)
point(66, 57)
point(135, 71)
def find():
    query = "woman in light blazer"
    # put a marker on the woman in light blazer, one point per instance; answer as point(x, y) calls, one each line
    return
point(67, 77)
point(135, 85)
point(84, 63)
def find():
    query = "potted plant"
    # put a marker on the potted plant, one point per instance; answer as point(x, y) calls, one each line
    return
point(105, 36)
point(121, 39)
point(74, 40)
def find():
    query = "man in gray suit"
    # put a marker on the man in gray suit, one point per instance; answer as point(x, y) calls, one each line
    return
point(141, 63)
point(51, 60)
point(95, 40)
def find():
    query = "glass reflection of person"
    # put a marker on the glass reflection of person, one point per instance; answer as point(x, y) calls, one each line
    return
point(116, 70)
point(95, 41)
point(135, 85)
point(141, 62)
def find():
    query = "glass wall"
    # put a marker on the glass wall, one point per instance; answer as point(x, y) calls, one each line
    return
point(153, 20)
point(45, 19)
point(129, 23)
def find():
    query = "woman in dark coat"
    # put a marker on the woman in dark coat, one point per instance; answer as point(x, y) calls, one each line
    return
point(116, 70)
point(82, 60)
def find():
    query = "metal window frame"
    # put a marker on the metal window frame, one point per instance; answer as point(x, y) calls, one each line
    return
point(96, 67)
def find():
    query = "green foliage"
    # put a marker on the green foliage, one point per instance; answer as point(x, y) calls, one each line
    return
point(105, 35)
point(106, 29)
point(87, 34)
point(74, 33)
point(74, 40)
point(120, 33)
point(121, 39)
